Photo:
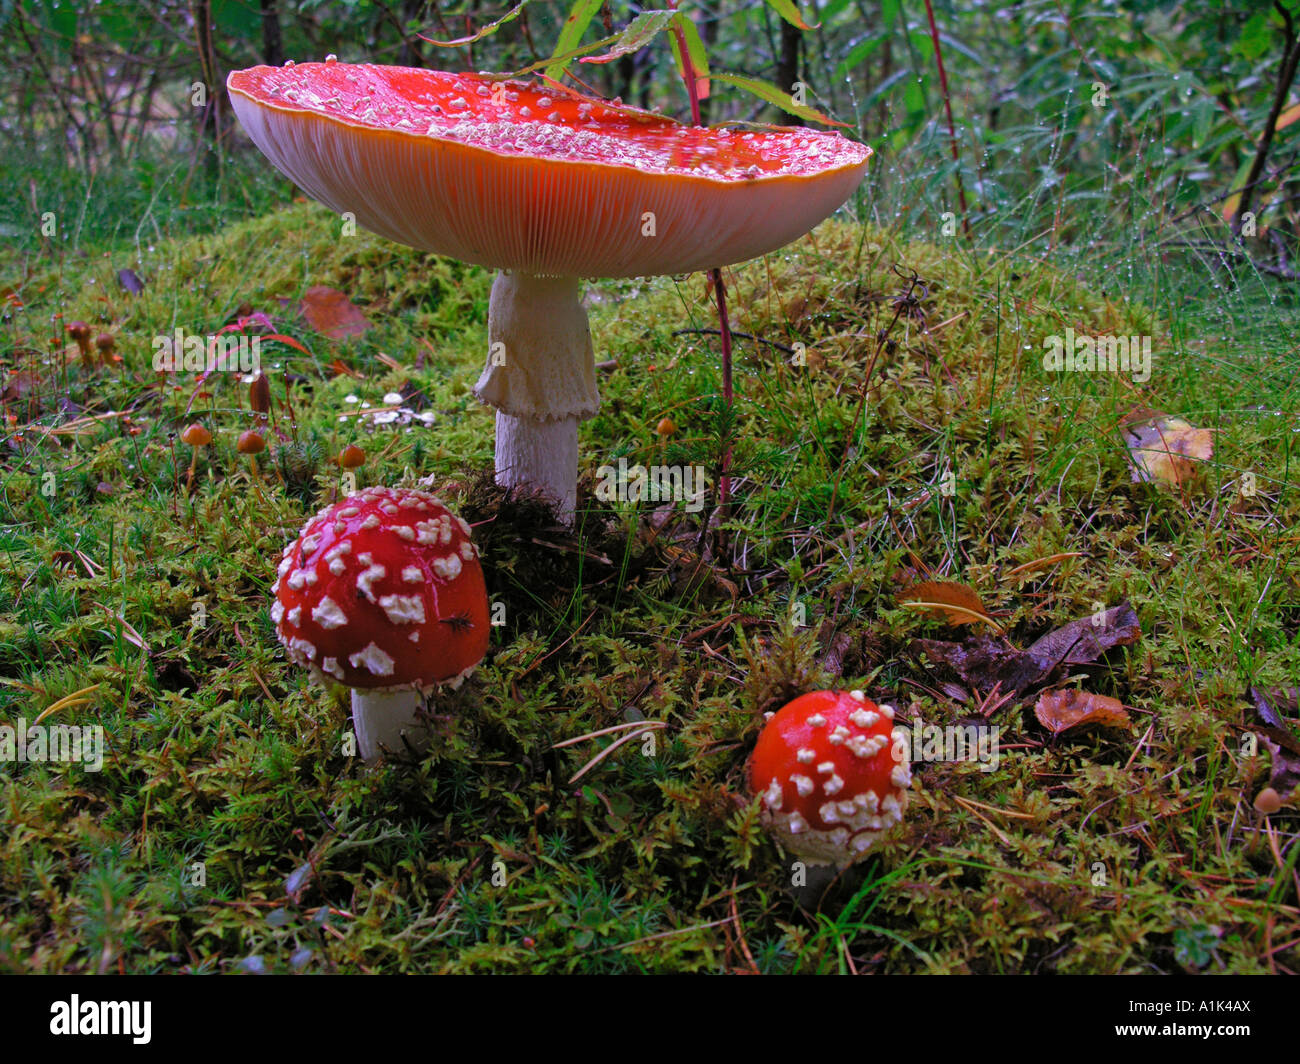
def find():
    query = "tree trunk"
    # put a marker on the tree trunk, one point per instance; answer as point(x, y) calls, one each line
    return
point(708, 35)
point(210, 121)
point(787, 69)
point(411, 54)
point(272, 43)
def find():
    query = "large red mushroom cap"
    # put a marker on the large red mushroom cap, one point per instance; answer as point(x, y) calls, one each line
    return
point(548, 186)
point(831, 774)
point(538, 179)
point(383, 590)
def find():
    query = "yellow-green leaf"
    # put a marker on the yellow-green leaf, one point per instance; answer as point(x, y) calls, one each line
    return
point(771, 94)
point(789, 11)
point(574, 27)
point(486, 31)
point(640, 32)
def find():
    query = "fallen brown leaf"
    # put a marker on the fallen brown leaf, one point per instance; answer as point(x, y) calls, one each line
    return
point(130, 280)
point(1166, 450)
point(340, 370)
point(1083, 641)
point(955, 603)
point(985, 661)
point(331, 313)
point(1059, 711)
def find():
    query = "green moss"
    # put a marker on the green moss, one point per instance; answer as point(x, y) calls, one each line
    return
point(1095, 851)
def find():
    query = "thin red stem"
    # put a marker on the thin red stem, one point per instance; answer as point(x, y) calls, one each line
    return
point(947, 106)
point(715, 276)
point(688, 71)
point(724, 328)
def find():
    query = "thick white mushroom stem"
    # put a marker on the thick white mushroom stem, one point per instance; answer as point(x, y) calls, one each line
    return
point(380, 718)
point(541, 377)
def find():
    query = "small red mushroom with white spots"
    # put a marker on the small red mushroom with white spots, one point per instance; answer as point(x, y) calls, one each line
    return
point(383, 593)
point(832, 775)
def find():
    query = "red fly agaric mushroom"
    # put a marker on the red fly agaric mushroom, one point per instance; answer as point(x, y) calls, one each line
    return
point(832, 774)
point(383, 593)
point(548, 186)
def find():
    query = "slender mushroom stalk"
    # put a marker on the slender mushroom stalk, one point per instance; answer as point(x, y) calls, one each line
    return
point(546, 389)
point(194, 436)
point(382, 720)
point(549, 186)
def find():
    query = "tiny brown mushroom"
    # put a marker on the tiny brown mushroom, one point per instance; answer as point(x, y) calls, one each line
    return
point(105, 343)
point(1268, 801)
point(250, 442)
point(80, 333)
point(352, 456)
point(195, 436)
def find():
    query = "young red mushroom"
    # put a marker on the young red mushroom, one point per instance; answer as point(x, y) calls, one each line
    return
point(547, 186)
point(383, 593)
point(832, 775)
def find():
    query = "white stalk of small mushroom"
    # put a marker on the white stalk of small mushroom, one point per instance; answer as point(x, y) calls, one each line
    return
point(541, 378)
point(385, 719)
point(382, 717)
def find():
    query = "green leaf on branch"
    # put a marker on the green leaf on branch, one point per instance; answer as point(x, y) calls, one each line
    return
point(771, 94)
point(860, 51)
point(789, 11)
point(486, 31)
point(550, 61)
point(640, 31)
point(574, 27)
point(699, 60)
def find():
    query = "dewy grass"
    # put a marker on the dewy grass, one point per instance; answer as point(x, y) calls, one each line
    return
point(228, 832)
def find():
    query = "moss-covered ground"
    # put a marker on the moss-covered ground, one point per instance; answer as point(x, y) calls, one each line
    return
point(228, 831)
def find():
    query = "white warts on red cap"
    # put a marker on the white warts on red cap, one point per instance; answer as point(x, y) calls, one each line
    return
point(367, 578)
point(403, 609)
point(373, 659)
point(328, 614)
point(448, 566)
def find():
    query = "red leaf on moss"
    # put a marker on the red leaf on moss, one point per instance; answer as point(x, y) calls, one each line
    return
point(330, 313)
